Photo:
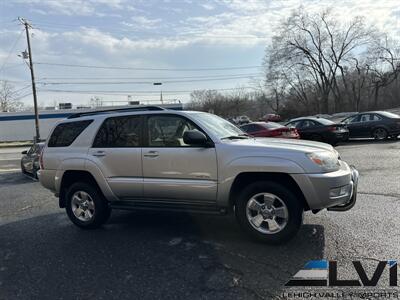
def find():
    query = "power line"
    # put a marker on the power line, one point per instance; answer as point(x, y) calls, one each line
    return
point(153, 79)
point(147, 69)
point(135, 92)
point(141, 82)
point(11, 50)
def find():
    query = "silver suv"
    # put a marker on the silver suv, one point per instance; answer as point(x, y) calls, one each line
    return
point(154, 158)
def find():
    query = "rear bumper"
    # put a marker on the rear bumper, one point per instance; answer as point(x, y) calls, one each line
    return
point(47, 179)
point(325, 190)
point(340, 136)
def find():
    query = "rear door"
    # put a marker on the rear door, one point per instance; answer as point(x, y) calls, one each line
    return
point(117, 152)
point(368, 122)
point(174, 171)
point(308, 128)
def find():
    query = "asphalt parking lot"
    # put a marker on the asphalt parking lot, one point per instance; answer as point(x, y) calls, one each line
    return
point(180, 256)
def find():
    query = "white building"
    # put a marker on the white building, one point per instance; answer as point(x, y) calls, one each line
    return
point(21, 126)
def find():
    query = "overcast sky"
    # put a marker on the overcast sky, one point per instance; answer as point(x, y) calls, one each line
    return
point(168, 41)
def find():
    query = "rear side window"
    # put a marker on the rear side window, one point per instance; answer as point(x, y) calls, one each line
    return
point(119, 132)
point(66, 133)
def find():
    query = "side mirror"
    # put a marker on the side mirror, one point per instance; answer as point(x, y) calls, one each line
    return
point(24, 152)
point(195, 138)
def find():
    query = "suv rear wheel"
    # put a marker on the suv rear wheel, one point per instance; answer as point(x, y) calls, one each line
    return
point(86, 206)
point(269, 212)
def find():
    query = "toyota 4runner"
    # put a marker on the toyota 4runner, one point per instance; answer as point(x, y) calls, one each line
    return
point(154, 158)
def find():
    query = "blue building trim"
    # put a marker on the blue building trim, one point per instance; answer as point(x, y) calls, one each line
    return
point(32, 117)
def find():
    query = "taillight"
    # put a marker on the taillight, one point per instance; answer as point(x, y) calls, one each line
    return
point(331, 128)
point(41, 159)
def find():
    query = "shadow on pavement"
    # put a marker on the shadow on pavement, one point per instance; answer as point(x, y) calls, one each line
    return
point(147, 255)
point(353, 142)
point(14, 178)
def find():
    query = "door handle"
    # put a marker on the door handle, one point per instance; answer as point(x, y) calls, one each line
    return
point(151, 154)
point(99, 153)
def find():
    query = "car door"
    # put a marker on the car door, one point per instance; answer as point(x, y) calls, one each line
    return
point(307, 128)
point(365, 125)
point(117, 152)
point(354, 125)
point(172, 170)
point(375, 121)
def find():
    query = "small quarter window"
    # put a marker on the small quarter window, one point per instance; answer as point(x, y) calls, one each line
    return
point(66, 133)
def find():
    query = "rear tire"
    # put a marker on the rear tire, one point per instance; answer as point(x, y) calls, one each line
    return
point(86, 206)
point(380, 134)
point(23, 169)
point(272, 206)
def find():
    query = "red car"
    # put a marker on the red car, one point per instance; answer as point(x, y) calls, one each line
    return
point(270, 129)
point(271, 118)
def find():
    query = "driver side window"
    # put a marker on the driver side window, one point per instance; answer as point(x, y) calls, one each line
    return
point(353, 119)
point(167, 131)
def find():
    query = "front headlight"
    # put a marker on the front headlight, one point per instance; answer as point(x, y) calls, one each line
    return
point(328, 161)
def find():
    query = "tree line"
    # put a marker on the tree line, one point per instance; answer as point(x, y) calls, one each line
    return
point(316, 64)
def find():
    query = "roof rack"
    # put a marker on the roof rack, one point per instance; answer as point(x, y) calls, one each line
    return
point(108, 111)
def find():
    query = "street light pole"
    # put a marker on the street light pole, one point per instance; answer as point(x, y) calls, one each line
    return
point(159, 83)
point(27, 26)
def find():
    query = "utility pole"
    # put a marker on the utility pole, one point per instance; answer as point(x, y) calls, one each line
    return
point(27, 26)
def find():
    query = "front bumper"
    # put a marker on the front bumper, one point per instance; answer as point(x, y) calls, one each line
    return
point(353, 195)
point(317, 188)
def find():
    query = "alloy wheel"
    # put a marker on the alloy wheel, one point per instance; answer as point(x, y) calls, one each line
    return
point(82, 206)
point(267, 213)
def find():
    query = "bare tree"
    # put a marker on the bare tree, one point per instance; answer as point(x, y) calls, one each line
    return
point(316, 48)
point(385, 65)
point(9, 100)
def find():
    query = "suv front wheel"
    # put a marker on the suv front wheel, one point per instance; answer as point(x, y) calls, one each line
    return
point(269, 212)
point(86, 206)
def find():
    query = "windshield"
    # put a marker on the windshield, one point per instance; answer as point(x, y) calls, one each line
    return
point(219, 126)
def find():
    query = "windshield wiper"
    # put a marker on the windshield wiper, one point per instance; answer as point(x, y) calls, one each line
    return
point(234, 137)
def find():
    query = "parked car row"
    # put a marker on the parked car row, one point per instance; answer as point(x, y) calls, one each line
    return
point(379, 125)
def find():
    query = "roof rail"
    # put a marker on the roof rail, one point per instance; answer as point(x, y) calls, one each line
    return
point(108, 111)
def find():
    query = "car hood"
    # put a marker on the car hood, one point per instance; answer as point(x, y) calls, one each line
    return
point(289, 144)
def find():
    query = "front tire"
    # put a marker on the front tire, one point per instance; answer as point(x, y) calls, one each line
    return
point(86, 207)
point(269, 212)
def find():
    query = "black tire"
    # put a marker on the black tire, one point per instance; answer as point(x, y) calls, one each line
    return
point(34, 174)
point(380, 134)
point(23, 169)
point(101, 212)
point(293, 204)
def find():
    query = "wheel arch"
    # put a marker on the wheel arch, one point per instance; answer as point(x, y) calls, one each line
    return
point(72, 176)
point(244, 178)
